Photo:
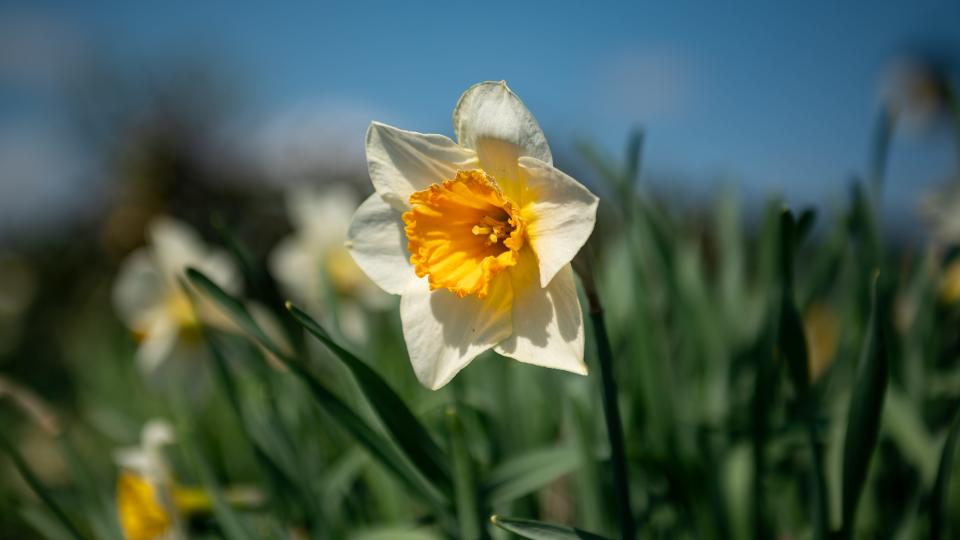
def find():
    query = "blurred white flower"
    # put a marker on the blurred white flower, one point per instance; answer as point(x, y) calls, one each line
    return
point(940, 208)
point(149, 296)
point(914, 90)
point(314, 267)
point(148, 502)
point(151, 504)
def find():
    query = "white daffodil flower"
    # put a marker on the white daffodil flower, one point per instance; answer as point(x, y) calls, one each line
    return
point(148, 504)
point(150, 298)
point(312, 263)
point(476, 236)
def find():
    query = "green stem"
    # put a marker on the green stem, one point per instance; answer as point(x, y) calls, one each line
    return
point(880, 150)
point(822, 516)
point(611, 412)
point(611, 409)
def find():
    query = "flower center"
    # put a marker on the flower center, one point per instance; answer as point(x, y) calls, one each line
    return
point(463, 232)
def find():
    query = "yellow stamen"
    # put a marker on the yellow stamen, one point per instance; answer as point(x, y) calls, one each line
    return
point(463, 232)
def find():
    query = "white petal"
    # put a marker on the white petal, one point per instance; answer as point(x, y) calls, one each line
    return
point(138, 290)
point(175, 246)
point(401, 162)
point(220, 268)
point(158, 344)
point(320, 216)
point(377, 241)
point(444, 332)
point(157, 433)
point(298, 270)
point(560, 214)
point(547, 322)
point(133, 458)
point(492, 120)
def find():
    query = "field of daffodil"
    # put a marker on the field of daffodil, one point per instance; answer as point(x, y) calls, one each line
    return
point(485, 347)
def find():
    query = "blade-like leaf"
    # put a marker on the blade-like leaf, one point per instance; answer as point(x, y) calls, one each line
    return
point(538, 530)
point(234, 309)
point(866, 404)
point(379, 446)
point(938, 499)
point(411, 435)
point(791, 342)
point(468, 511)
point(528, 472)
point(805, 223)
point(38, 488)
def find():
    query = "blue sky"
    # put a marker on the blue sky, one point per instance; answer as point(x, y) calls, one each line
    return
point(772, 96)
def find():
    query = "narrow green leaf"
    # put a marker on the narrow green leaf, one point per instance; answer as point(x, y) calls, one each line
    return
point(468, 511)
point(285, 492)
point(805, 223)
point(529, 472)
point(866, 404)
point(538, 530)
point(938, 498)
point(791, 342)
point(590, 509)
point(379, 446)
point(228, 519)
point(411, 435)
point(765, 390)
point(248, 267)
point(634, 154)
point(44, 523)
point(37, 486)
point(283, 488)
point(234, 309)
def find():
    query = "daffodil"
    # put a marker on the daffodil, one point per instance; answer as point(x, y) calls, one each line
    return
point(149, 296)
point(312, 265)
point(150, 505)
point(476, 236)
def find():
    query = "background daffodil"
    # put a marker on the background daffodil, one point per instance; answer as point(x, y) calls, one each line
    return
point(146, 498)
point(151, 301)
point(314, 268)
point(476, 236)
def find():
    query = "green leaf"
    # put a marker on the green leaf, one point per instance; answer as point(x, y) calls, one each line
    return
point(938, 498)
point(379, 446)
point(590, 510)
point(791, 342)
point(411, 435)
point(805, 223)
point(285, 492)
point(866, 405)
point(538, 530)
point(235, 309)
point(468, 511)
point(529, 472)
point(229, 520)
point(765, 390)
point(38, 487)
